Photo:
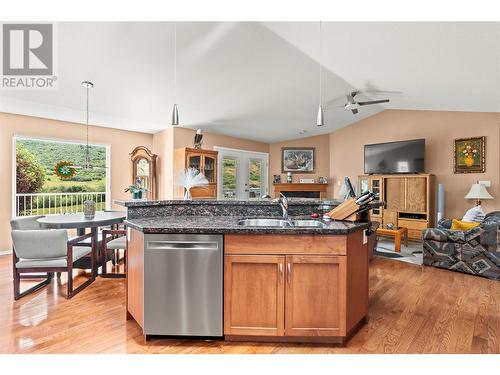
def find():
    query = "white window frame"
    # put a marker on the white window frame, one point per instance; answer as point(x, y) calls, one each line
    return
point(15, 137)
point(233, 152)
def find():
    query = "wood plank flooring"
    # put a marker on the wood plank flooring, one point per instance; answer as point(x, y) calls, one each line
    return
point(412, 309)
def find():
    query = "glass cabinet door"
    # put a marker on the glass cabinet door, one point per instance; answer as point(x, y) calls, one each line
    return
point(194, 161)
point(363, 185)
point(376, 188)
point(209, 168)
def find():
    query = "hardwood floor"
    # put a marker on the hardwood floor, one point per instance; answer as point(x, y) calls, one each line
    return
point(412, 309)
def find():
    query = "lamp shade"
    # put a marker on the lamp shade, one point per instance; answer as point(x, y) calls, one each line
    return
point(478, 191)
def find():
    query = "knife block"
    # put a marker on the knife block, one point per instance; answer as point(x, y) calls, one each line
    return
point(345, 211)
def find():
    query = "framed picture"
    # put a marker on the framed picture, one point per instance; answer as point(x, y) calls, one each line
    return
point(469, 155)
point(276, 178)
point(297, 159)
point(323, 180)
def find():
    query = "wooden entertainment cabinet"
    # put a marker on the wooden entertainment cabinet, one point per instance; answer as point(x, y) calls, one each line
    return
point(409, 200)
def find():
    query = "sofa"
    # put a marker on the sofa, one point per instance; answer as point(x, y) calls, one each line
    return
point(475, 251)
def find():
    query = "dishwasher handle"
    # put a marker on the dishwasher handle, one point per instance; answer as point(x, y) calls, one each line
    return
point(182, 245)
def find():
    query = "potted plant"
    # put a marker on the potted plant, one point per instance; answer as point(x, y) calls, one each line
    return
point(136, 189)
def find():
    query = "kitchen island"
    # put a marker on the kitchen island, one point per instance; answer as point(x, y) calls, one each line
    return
point(300, 282)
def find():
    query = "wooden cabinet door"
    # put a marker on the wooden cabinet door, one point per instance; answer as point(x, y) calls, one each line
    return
point(416, 194)
point(315, 296)
point(395, 193)
point(254, 295)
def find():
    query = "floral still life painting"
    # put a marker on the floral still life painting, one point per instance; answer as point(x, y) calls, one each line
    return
point(469, 155)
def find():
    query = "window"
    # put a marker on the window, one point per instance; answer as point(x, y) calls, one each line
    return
point(40, 190)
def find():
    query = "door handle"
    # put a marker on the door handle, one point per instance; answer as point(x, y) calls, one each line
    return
point(281, 273)
point(289, 272)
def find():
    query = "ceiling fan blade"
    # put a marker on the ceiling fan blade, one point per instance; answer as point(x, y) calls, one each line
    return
point(354, 111)
point(374, 102)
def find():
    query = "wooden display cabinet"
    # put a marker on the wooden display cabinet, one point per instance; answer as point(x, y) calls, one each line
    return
point(409, 200)
point(205, 161)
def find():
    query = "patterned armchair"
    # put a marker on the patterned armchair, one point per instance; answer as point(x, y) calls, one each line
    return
point(475, 251)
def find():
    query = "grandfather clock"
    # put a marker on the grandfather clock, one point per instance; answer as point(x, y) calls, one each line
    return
point(144, 167)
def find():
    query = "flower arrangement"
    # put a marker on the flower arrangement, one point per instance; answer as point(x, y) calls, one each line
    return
point(193, 178)
point(469, 151)
point(137, 189)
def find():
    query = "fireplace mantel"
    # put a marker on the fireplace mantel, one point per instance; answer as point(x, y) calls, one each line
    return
point(294, 189)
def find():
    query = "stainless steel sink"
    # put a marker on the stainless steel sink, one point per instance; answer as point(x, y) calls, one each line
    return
point(277, 223)
point(308, 224)
point(264, 223)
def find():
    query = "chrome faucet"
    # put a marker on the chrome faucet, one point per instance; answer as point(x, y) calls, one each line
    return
point(283, 201)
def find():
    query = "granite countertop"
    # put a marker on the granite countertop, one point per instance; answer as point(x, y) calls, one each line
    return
point(262, 202)
point(228, 224)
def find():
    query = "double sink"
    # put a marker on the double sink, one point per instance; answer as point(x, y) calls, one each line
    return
point(279, 223)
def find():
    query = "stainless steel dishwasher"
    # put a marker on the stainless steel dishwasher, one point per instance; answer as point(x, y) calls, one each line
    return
point(183, 284)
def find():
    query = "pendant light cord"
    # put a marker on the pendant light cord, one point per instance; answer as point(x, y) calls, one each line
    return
point(175, 62)
point(320, 67)
point(88, 118)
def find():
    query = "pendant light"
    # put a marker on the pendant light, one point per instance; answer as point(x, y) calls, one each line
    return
point(87, 164)
point(320, 120)
point(175, 112)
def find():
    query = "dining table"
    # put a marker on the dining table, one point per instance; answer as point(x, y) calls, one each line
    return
point(81, 224)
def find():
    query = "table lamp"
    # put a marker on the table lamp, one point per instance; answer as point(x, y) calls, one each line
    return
point(478, 191)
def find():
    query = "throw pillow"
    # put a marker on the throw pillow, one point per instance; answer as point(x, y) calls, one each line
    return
point(474, 215)
point(461, 225)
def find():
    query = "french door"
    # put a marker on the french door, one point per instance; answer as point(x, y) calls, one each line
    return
point(243, 174)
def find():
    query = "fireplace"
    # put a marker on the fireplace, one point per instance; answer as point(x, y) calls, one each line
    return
point(301, 190)
point(301, 194)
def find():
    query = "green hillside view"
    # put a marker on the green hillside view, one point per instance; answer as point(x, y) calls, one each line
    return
point(48, 154)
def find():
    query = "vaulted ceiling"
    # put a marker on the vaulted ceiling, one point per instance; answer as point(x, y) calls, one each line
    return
point(260, 80)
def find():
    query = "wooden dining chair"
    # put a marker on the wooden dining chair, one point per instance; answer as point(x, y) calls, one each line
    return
point(39, 253)
point(117, 240)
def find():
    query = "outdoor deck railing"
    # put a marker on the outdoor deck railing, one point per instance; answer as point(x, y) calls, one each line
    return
point(56, 203)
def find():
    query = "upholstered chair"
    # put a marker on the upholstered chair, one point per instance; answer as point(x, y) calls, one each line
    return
point(39, 253)
point(475, 251)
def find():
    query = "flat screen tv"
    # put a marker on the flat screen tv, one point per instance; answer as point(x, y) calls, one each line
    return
point(395, 157)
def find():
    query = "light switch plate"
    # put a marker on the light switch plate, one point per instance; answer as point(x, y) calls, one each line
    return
point(485, 183)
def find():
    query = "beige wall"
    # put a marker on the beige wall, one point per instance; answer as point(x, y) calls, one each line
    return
point(168, 140)
point(121, 144)
point(321, 164)
point(163, 146)
point(184, 138)
point(439, 129)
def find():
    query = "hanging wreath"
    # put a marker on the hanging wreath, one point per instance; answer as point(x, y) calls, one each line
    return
point(64, 170)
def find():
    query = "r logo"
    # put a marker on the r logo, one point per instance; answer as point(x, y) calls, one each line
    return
point(27, 50)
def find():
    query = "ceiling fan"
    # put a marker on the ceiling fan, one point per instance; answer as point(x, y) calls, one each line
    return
point(354, 105)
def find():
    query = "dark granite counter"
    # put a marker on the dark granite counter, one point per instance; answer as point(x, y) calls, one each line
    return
point(222, 202)
point(142, 208)
point(229, 224)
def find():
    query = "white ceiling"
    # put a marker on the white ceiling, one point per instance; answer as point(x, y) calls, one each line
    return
point(260, 80)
